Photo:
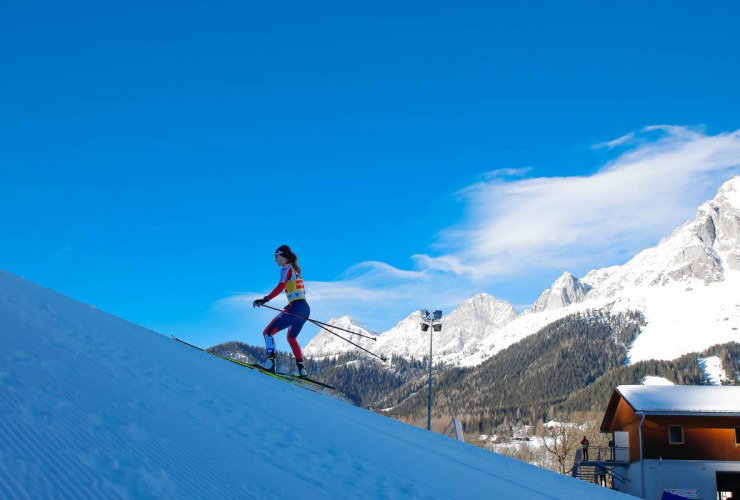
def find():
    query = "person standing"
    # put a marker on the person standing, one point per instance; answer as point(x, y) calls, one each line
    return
point(584, 447)
point(294, 315)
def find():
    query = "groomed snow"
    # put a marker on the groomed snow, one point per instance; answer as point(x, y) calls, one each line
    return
point(95, 407)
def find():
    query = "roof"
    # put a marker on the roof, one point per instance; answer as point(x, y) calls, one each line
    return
point(706, 400)
point(682, 399)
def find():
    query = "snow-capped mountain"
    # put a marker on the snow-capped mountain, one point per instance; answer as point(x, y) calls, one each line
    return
point(564, 291)
point(687, 287)
point(476, 319)
point(326, 342)
point(700, 252)
point(96, 407)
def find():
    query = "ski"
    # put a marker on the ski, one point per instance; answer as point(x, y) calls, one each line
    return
point(293, 376)
point(308, 380)
point(287, 377)
point(251, 366)
point(242, 363)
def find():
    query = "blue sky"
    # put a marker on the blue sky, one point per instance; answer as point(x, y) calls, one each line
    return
point(153, 156)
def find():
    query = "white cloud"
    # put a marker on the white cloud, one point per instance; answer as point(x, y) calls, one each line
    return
point(567, 222)
point(614, 143)
point(503, 173)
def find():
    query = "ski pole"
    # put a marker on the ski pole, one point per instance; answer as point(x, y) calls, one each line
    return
point(319, 323)
point(328, 329)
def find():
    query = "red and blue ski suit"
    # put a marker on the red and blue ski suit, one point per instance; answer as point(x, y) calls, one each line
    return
point(292, 282)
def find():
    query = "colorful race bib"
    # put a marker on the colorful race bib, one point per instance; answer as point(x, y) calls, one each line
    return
point(294, 287)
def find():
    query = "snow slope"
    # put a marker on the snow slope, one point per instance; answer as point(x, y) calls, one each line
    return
point(95, 407)
point(713, 371)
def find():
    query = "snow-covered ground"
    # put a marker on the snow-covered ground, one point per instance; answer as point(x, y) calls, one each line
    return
point(95, 407)
point(654, 380)
point(713, 371)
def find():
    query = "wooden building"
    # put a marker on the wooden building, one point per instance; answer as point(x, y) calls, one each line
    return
point(679, 440)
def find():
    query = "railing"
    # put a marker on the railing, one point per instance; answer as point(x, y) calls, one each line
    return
point(599, 468)
point(606, 454)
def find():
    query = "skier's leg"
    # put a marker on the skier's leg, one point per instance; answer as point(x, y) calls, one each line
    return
point(302, 372)
point(270, 348)
point(280, 322)
point(297, 353)
point(301, 309)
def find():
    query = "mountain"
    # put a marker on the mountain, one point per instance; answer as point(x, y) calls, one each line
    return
point(475, 319)
point(96, 407)
point(565, 291)
point(328, 342)
point(685, 288)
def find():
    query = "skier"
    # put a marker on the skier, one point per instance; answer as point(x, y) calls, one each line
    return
point(292, 282)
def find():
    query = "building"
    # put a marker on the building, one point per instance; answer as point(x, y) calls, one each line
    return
point(673, 440)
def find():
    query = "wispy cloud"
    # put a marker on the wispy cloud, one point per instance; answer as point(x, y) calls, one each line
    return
point(614, 143)
point(506, 173)
point(566, 222)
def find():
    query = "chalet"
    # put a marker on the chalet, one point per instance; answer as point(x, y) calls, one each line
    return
point(673, 441)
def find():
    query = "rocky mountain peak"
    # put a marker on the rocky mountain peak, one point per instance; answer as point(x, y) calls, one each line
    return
point(484, 310)
point(565, 290)
point(699, 250)
point(717, 223)
point(325, 343)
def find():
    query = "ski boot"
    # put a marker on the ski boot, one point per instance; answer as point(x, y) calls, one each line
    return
point(302, 373)
point(270, 366)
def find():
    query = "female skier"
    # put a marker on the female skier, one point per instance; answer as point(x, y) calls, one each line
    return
point(292, 282)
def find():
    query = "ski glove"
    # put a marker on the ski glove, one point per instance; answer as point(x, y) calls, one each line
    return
point(260, 302)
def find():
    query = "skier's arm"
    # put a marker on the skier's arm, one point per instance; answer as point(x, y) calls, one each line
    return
point(284, 277)
point(278, 289)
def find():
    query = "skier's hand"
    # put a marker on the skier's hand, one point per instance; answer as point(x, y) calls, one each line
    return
point(260, 302)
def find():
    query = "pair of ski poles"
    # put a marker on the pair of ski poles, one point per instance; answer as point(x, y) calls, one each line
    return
point(328, 328)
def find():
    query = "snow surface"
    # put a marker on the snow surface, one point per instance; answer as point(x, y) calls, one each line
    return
point(682, 398)
point(96, 407)
point(713, 371)
point(654, 380)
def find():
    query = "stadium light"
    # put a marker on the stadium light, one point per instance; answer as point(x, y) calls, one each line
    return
point(433, 320)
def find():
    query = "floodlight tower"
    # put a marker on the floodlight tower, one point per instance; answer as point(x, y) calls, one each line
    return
point(434, 320)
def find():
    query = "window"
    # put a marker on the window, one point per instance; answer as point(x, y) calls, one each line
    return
point(737, 436)
point(675, 434)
